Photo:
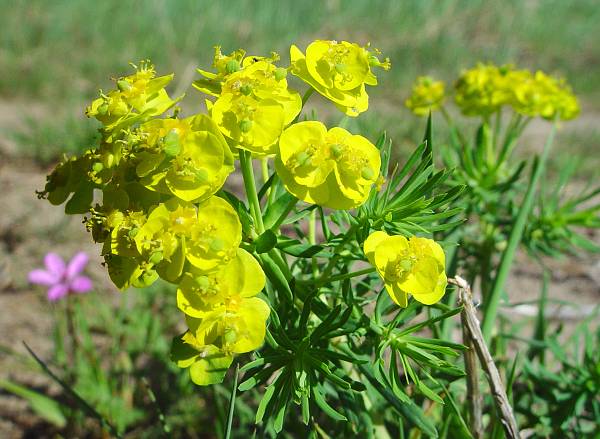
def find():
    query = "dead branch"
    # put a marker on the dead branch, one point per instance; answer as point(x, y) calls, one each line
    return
point(472, 328)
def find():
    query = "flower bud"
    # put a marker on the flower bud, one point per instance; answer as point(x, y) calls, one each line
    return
point(229, 336)
point(367, 173)
point(302, 158)
point(124, 85)
point(156, 257)
point(245, 125)
point(336, 150)
point(203, 282)
point(216, 244)
point(103, 109)
point(280, 73)
point(246, 89)
point(232, 66)
point(341, 68)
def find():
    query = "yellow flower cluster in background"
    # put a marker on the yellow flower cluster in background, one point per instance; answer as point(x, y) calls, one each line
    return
point(427, 95)
point(486, 88)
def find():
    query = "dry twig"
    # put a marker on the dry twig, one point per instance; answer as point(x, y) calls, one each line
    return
point(475, 337)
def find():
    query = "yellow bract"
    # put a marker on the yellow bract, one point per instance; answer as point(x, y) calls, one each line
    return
point(414, 266)
point(427, 95)
point(188, 158)
point(137, 97)
point(332, 168)
point(200, 293)
point(216, 236)
point(254, 102)
point(339, 71)
point(221, 306)
point(252, 124)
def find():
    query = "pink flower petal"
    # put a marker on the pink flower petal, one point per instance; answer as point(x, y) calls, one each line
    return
point(55, 264)
point(77, 264)
point(81, 284)
point(57, 292)
point(42, 277)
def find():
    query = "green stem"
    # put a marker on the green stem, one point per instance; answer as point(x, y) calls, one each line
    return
point(312, 239)
point(250, 186)
point(491, 308)
point(232, 403)
point(264, 166)
point(336, 254)
point(307, 94)
point(453, 130)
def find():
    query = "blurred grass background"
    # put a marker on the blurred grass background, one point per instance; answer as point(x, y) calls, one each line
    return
point(56, 54)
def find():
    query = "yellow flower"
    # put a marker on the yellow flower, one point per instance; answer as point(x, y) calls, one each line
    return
point(223, 316)
point(137, 97)
point(408, 266)
point(427, 95)
point(483, 89)
point(206, 236)
point(188, 158)
point(216, 236)
point(221, 308)
point(339, 71)
point(200, 294)
point(263, 80)
point(225, 65)
point(331, 168)
point(545, 96)
point(252, 124)
point(254, 102)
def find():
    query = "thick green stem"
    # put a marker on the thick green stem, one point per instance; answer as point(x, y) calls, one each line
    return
point(491, 305)
point(250, 186)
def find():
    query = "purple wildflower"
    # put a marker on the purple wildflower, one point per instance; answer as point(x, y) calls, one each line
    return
point(62, 279)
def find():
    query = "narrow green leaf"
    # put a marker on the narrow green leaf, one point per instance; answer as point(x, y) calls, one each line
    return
point(47, 408)
point(323, 405)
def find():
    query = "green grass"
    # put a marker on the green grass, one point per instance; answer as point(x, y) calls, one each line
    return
point(60, 52)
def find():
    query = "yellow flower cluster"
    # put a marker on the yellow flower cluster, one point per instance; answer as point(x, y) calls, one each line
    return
point(486, 88)
point(542, 95)
point(414, 266)
point(332, 168)
point(253, 103)
point(159, 217)
point(483, 89)
point(149, 189)
point(427, 95)
point(339, 71)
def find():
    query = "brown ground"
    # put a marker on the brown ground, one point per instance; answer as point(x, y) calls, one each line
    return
point(29, 228)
